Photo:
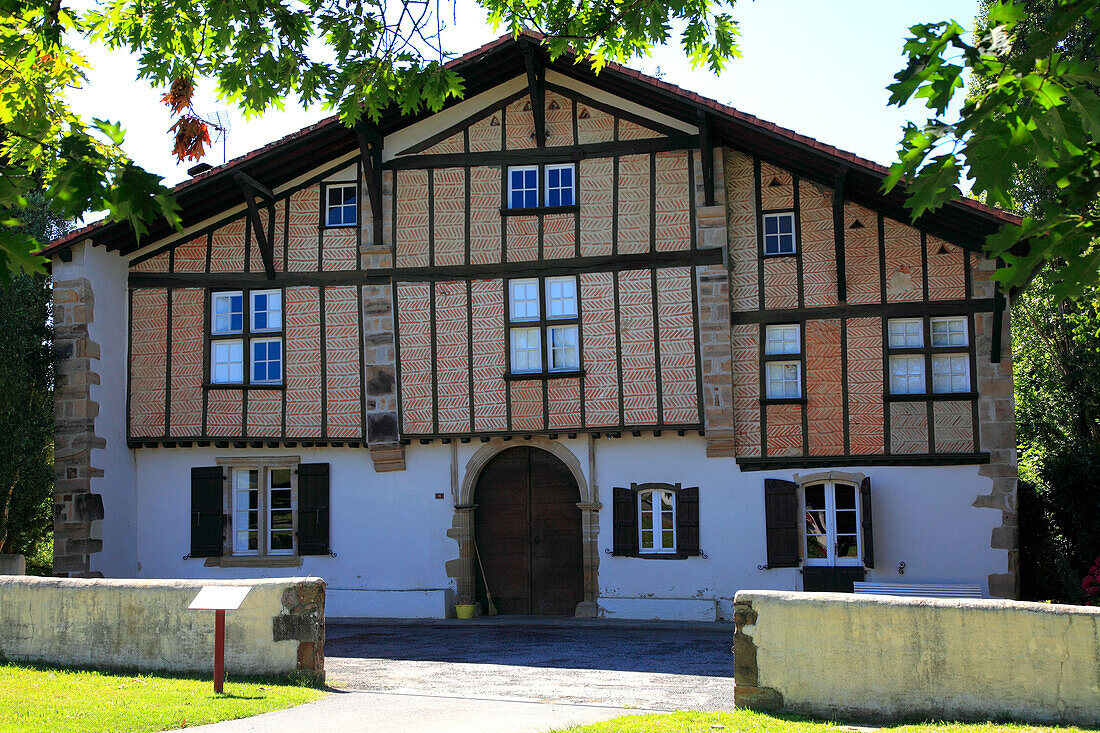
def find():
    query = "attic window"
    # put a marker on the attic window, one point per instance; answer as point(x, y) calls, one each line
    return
point(779, 234)
point(532, 186)
point(341, 207)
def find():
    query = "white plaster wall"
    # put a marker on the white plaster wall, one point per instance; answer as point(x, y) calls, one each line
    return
point(922, 516)
point(107, 272)
point(389, 530)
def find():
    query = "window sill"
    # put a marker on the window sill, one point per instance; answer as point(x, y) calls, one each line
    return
point(778, 254)
point(278, 387)
point(934, 397)
point(540, 210)
point(657, 555)
point(339, 226)
point(783, 400)
point(254, 561)
point(536, 376)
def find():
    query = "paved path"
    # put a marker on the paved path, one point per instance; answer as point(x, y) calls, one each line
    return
point(508, 675)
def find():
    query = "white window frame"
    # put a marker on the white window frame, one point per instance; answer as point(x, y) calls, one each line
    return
point(769, 380)
point(247, 336)
point(511, 189)
point(252, 360)
point(550, 299)
point(949, 321)
point(215, 298)
point(530, 285)
point(656, 530)
point(263, 509)
point(252, 295)
point(329, 207)
point(909, 358)
point(782, 343)
point(537, 349)
point(538, 319)
point(215, 346)
point(779, 216)
point(965, 374)
point(831, 559)
point(546, 184)
point(903, 332)
point(912, 339)
point(553, 350)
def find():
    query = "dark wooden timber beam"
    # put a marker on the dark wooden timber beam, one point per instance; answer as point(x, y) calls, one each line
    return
point(251, 187)
point(243, 178)
point(706, 151)
point(838, 233)
point(370, 151)
point(538, 93)
point(998, 324)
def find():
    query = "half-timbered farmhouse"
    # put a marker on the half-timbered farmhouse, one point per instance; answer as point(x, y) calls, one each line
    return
point(592, 343)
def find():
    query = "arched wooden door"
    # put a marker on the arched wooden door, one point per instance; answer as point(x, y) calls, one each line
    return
point(528, 532)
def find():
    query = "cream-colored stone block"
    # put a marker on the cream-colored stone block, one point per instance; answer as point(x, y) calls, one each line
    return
point(890, 658)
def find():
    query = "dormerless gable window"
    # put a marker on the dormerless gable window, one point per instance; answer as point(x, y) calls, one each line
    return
point(523, 187)
point(341, 205)
point(550, 185)
point(246, 343)
point(543, 325)
point(779, 237)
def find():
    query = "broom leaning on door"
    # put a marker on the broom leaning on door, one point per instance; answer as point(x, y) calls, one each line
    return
point(492, 609)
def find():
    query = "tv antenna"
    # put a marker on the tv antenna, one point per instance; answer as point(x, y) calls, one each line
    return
point(219, 120)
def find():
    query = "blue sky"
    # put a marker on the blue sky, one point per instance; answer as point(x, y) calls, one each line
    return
point(820, 68)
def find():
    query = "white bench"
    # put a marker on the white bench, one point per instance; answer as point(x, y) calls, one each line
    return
point(926, 590)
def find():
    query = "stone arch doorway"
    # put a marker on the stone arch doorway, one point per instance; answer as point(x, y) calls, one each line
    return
point(528, 531)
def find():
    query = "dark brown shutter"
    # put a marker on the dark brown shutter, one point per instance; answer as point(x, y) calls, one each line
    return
point(687, 521)
point(207, 498)
point(781, 521)
point(865, 522)
point(313, 509)
point(625, 521)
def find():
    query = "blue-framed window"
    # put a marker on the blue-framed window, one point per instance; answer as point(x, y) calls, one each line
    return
point(341, 205)
point(228, 313)
point(779, 234)
point(246, 343)
point(267, 310)
point(267, 361)
point(523, 187)
point(560, 189)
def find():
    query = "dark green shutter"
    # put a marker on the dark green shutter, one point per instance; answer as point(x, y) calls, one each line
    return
point(207, 498)
point(625, 521)
point(687, 521)
point(313, 509)
point(865, 523)
point(781, 522)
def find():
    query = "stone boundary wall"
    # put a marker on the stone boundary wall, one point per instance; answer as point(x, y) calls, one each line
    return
point(146, 625)
point(893, 658)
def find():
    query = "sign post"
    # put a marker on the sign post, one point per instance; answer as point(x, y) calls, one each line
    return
point(219, 599)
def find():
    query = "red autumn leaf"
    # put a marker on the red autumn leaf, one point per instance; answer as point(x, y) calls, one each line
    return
point(192, 137)
point(178, 96)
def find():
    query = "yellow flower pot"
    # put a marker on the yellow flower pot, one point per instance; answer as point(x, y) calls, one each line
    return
point(465, 610)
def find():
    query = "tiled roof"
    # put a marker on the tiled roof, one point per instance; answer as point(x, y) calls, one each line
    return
point(471, 57)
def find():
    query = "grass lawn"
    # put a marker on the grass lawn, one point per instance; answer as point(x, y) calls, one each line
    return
point(746, 721)
point(60, 701)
